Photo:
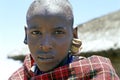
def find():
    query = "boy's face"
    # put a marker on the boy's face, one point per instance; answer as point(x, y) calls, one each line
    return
point(49, 39)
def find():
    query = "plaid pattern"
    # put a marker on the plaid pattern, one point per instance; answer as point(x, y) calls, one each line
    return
point(92, 68)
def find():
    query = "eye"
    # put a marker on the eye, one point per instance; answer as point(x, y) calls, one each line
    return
point(36, 32)
point(59, 32)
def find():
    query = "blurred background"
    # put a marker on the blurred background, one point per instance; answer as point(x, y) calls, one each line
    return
point(98, 25)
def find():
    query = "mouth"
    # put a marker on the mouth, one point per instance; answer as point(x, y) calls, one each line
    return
point(45, 58)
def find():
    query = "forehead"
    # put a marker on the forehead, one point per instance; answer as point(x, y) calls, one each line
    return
point(49, 18)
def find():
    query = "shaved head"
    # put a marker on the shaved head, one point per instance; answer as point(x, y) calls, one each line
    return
point(50, 7)
point(49, 33)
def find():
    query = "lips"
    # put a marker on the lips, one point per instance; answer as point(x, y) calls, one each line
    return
point(45, 58)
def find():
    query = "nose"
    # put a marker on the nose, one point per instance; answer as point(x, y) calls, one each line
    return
point(46, 44)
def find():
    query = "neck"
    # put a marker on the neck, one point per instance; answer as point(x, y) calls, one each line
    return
point(65, 61)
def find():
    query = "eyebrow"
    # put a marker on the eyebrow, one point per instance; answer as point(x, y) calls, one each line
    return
point(59, 28)
point(33, 27)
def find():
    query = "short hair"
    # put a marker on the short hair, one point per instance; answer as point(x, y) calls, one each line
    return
point(48, 6)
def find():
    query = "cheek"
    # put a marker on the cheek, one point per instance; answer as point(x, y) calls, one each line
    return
point(31, 40)
point(62, 50)
point(32, 44)
point(64, 46)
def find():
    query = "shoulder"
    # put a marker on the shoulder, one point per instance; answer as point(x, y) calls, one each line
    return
point(104, 67)
point(22, 72)
point(94, 62)
point(93, 59)
point(18, 75)
point(96, 67)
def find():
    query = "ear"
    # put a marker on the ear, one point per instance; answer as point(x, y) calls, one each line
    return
point(75, 35)
point(25, 40)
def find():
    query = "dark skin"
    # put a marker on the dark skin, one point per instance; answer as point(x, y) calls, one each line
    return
point(49, 37)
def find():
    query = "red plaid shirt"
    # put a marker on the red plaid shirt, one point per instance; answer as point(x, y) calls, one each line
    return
point(92, 68)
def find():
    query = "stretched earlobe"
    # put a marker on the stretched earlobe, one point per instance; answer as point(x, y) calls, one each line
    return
point(76, 43)
point(76, 46)
point(25, 40)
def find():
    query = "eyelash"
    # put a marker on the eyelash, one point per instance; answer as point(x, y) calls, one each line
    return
point(59, 32)
point(36, 32)
point(56, 33)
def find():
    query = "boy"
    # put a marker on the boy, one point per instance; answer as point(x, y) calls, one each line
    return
point(49, 36)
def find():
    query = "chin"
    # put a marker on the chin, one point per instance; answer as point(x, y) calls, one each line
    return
point(46, 68)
